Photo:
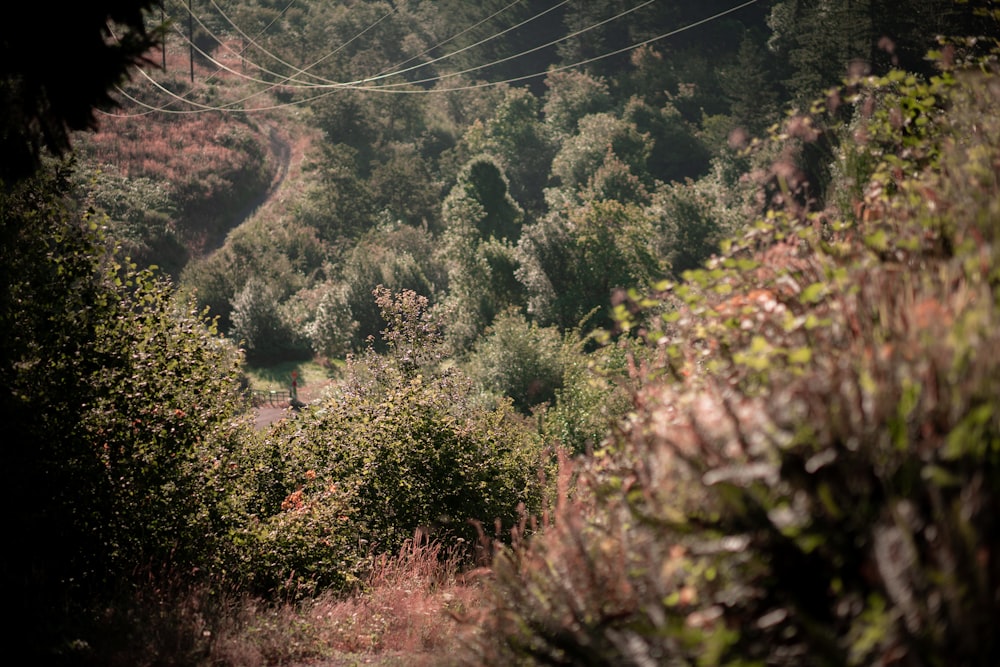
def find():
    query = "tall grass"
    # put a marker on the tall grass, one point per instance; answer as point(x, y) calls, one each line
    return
point(413, 609)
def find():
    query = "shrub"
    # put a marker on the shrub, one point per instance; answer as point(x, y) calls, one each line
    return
point(396, 256)
point(122, 401)
point(397, 448)
point(259, 324)
point(520, 360)
point(811, 473)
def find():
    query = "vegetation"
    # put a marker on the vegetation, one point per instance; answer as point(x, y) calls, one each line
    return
point(669, 342)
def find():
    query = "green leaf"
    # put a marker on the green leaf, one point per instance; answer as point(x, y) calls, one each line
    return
point(800, 356)
point(878, 240)
point(813, 293)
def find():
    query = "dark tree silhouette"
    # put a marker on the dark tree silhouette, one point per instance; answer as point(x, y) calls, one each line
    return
point(58, 63)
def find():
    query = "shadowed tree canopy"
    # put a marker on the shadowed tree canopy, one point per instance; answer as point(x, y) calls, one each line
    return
point(57, 65)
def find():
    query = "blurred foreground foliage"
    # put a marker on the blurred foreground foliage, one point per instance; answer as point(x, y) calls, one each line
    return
point(811, 474)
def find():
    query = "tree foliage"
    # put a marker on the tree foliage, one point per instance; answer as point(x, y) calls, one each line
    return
point(573, 261)
point(120, 403)
point(398, 448)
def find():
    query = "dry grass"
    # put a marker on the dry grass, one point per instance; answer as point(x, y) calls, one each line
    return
point(414, 610)
point(417, 608)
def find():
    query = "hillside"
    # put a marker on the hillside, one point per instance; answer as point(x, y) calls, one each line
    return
point(648, 333)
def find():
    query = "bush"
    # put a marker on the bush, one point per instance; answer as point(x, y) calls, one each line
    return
point(122, 401)
point(519, 360)
point(811, 473)
point(397, 449)
point(260, 325)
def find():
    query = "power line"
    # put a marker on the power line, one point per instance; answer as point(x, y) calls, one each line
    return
point(290, 82)
point(395, 89)
point(395, 70)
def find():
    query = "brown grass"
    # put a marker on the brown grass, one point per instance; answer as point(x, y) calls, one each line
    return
point(414, 610)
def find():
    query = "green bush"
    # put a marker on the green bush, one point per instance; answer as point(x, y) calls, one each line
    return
point(261, 326)
point(121, 402)
point(811, 472)
point(399, 447)
point(519, 360)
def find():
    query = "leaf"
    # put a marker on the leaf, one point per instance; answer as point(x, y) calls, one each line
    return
point(814, 293)
point(878, 241)
point(800, 356)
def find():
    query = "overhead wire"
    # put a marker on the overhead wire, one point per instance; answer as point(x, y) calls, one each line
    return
point(394, 70)
point(521, 54)
point(270, 85)
point(220, 67)
point(295, 68)
point(394, 89)
point(260, 33)
point(285, 79)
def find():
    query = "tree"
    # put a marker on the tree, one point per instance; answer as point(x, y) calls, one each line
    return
point(482, 225)
point(119, 402)
point(58, 67)
point(516, 135)
point(340, 206)
point(395, 256)
point(259, 325)
point(676, 152)
point(573, 260)
point(570, 96)
point(404, 188)
point(519, 359)
point(482, 197)
point(600, 137)
point(750, 85)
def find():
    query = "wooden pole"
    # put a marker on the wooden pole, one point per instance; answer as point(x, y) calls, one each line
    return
point(191, 39)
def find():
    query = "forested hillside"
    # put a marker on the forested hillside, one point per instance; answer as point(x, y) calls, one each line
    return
point(656, 332)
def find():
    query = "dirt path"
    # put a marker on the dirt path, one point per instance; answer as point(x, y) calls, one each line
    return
point(289, 147)
point(266, 415)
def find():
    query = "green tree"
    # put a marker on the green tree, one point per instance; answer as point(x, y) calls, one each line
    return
point(572, 95)
point(573, 261)
point(482, 197)
point(822, 42)
point(122, 401)
point(395, 256)
point(322, 315)
point(404, 188)
point(676, 151)
point(260, 326)
point(517, 137)
point(482, 225)
point(752, 88)
point(340, 205)
point(600, 137)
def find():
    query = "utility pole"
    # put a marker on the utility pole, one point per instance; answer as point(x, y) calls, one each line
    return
point(191, 40)
point(163, 44)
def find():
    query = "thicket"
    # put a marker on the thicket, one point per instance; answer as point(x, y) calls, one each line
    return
point(121, 404)
point(810, 475)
